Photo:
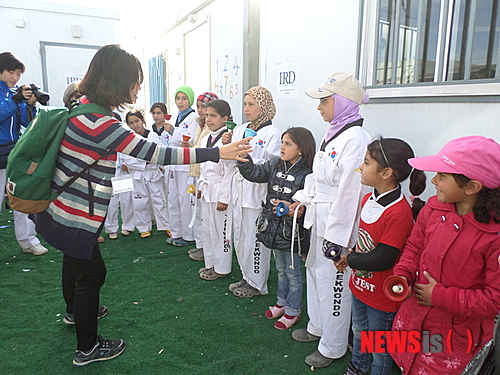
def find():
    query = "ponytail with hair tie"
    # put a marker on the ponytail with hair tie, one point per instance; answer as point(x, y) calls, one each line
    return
point(394, 153)
point(417, 187)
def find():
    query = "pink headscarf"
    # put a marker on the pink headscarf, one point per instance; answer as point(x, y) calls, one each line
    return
point(345, 111)
point(206, 97)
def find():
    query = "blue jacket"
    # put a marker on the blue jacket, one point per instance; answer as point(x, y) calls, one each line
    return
point(13, 115)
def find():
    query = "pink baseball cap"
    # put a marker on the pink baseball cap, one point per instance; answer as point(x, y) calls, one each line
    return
point(476, 157)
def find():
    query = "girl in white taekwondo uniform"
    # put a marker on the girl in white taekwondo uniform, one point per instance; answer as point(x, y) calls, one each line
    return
point(216, 215)
point(179, 200)
point(194, 173)
point(120, 202)
point(247, 197)
point(148, 182)
point(332, 194)
point(165, 137)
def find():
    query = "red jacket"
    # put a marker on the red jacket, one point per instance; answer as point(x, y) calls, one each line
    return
point(463, 256)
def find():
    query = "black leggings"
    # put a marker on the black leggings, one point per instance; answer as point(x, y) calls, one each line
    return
point(82, 280)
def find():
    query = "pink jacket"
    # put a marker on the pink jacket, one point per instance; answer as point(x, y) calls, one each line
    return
point(463, 256)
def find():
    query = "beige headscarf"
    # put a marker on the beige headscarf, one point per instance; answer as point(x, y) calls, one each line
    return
point(265, 101)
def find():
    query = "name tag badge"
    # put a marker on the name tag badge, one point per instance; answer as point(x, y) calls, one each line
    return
point(122, 184)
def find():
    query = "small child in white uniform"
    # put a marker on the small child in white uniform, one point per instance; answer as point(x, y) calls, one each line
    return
point(148, 182)
point(246, 197)
point(333, 196)
point(179, 200)
point(194, 172)
point(214, 203)
point(122, 202)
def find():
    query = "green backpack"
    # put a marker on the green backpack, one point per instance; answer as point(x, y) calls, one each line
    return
point(32, 163)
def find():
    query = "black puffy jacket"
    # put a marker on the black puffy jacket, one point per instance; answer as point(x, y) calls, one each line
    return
point(284, 180)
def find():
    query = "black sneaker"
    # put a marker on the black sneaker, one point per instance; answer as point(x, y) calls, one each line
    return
point(102, 351)
point(351, 370)
point(69, 319)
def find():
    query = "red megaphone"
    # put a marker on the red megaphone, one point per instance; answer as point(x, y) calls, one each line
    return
point(396, 288)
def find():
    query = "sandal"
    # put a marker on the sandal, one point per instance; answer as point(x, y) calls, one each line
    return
point(275, 311)
point(193, 250)
point(286, 322)
point(246, 291)
point(171, 240)
point(238, 284)
point(210, 275)
point(197, 255)
point(179, 242)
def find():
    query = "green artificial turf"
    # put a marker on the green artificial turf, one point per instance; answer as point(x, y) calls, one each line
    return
point(173, 321)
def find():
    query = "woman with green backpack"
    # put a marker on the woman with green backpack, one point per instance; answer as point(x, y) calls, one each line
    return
point(73, 221)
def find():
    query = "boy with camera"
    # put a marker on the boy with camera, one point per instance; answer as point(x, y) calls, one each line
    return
point(17, 108)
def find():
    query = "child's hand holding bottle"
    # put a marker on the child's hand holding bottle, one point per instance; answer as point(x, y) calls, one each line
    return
point(227, 137)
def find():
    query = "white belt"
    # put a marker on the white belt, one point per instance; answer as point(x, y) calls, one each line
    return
point(201, 182)
point(294, 227)
point(325, 193)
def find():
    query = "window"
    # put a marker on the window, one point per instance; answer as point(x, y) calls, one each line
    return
point(418, 41)
point(156, 79)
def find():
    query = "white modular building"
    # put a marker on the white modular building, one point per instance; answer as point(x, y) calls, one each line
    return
point(429, 66)
point(55, 41)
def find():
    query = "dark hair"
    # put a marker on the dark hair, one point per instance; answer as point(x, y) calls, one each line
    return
point(161, 106)
point(136, 113)
point(304, 139)
point(111, 74)
point(10, 62)
point(394, 153)
point(487, 205)
point(222, 107)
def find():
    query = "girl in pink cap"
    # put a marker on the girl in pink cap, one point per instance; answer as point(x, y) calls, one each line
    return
point(451, 260)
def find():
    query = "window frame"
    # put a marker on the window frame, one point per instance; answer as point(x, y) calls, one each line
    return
point(485, 89)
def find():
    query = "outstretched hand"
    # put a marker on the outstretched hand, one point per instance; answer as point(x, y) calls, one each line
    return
point(236, 150)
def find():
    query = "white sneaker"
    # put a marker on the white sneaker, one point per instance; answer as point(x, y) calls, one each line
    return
point(125, 232)
point(37, 250)
point(113, 236)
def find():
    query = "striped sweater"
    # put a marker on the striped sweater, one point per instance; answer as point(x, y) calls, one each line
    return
point(93, 137)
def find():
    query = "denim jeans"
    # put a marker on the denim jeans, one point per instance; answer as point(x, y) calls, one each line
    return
point(290, 281)
point(366, 318)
